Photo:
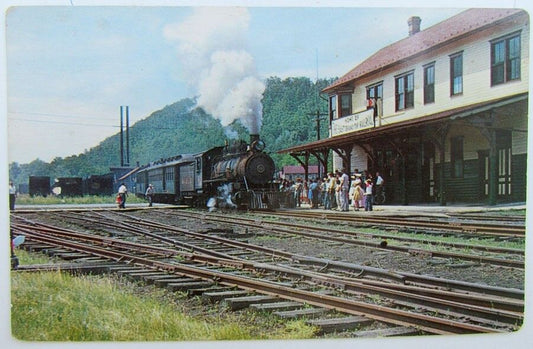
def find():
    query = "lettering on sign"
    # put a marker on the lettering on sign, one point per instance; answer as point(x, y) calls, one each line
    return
point(354, 122)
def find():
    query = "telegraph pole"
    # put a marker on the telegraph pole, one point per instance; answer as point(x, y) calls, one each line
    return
point(318, 116)
point(127, 109)
point(127, 135)
point(121, 136)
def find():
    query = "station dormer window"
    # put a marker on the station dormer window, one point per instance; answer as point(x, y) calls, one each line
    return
point(405, 91)
point(505, 59)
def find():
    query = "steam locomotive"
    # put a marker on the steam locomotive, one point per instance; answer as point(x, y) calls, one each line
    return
point(234, 175)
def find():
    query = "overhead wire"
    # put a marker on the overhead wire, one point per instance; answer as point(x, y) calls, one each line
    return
point(80, 124)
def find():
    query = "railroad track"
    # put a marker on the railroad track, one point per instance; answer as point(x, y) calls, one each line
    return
point(477, 216)
point(514, 257)
point(456, 225)
point(409, 299)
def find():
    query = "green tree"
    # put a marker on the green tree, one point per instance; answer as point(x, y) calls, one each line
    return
point(289, 108)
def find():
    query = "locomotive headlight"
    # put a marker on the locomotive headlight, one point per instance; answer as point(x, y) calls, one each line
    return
point(259, 145)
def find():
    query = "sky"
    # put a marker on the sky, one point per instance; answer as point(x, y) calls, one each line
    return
point(70, 68)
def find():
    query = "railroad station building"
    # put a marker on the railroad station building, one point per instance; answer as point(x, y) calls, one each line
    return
point(442, 114)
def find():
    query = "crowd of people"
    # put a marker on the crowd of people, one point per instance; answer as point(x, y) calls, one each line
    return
point(338, 191)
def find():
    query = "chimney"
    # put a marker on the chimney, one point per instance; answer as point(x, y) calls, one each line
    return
point(414, 25)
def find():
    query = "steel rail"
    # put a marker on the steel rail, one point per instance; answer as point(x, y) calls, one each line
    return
point(501, 316)
point(458, 227)
point(423, 322)
point(265, 224)
point(267, 250)
point(402, 277)
point(253, 222)
point(485, 308)
point(476, 216)
point(476, 313)
point(104, 242)
point(412, 279)
point(188, 247)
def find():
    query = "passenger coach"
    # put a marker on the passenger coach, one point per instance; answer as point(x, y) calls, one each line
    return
point(236, 175)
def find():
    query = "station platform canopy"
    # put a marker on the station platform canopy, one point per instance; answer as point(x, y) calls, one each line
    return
point(399, 127)
point(429, 124)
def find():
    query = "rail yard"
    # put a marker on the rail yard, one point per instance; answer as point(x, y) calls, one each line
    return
point(350, 275)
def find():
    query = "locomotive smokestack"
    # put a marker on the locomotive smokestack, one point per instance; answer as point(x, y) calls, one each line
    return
point(253, 138)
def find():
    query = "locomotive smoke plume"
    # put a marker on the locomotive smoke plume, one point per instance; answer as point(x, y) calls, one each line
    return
point(212, 51)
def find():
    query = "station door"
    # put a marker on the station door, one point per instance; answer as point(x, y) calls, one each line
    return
point(504, 153)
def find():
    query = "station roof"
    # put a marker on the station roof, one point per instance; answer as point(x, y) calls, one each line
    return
point(134, 170)
point(440, 34)
point(367, 134)
point(296, 169)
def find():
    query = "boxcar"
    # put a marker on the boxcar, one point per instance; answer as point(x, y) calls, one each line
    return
point(68, 186)
point(39, 185)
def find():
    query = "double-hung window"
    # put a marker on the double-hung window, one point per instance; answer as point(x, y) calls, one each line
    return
point(405, 91)
point(333, 107)
point(429, 83)
point(373, 93)
point(456, 74)
point(505, 59)
point(346, 104)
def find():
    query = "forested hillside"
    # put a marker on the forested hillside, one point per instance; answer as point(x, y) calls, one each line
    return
point(289, 112)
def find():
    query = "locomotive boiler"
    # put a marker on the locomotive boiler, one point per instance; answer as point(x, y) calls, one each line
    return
point(234, 175)
point(246, 163)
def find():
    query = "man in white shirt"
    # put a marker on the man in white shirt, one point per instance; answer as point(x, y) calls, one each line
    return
point(12, 195)
point(345, 189)
point(150, 194)
point(123, 193)
point(379, 185)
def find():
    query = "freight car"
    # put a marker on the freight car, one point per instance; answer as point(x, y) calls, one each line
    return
point(98, 184)
point(39, 185)
point(68, 186)
point(236, 175)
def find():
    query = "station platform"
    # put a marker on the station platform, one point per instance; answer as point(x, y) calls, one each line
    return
point(413, 209)
point(423, 209)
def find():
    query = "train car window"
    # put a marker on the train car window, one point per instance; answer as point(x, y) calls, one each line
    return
point(170, 174)
point(198, 165)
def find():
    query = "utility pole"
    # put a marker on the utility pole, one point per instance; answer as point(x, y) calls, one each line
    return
point(121, 136)
point(122, 163)
point(318, 116)
point(127, 135)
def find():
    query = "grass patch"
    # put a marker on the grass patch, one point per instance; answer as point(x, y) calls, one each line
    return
point(509, 212)
point(25, 199)
point(55, 306)
point(27, 258)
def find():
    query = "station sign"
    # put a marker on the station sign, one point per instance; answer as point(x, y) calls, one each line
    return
point(354, 122)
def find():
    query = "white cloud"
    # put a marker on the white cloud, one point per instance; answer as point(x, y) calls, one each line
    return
point(211, 45)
